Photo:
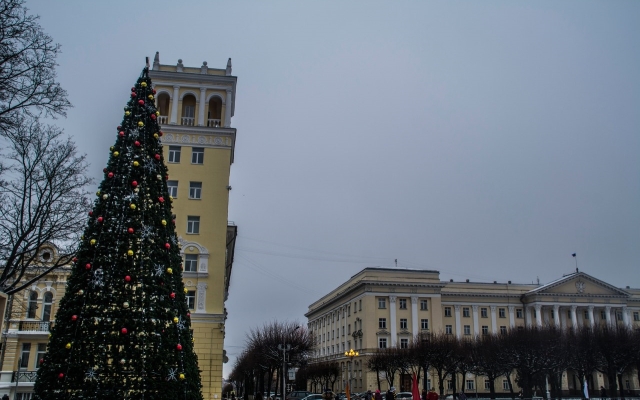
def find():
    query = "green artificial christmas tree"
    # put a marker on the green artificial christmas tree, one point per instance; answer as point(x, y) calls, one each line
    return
point(123, 327)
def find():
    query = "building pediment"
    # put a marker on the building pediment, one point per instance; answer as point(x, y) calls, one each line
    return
point(578, 284)
point(382, 332)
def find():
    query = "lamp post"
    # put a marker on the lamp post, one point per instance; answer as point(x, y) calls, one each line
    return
point(285, 347)
point(350, 354)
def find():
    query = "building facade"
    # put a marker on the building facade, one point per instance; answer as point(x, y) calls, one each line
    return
point(383, 307)
point(196, 106)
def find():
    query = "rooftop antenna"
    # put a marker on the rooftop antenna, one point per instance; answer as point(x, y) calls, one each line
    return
point(574, 255)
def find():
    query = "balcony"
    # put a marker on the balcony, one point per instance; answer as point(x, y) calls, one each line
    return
point(163, 119)
point(214, 123)
point(35, 326)
point(188, 121)
point(24, 376)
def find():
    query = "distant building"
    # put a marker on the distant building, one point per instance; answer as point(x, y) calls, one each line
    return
point(384, 307)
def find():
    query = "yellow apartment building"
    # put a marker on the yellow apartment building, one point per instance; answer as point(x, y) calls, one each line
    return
point(388, 307)
point(196, 106)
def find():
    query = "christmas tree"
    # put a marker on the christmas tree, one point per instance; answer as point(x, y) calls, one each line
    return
point(123, 327)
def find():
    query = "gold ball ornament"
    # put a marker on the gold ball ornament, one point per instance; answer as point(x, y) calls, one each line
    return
point(111, 148)
point(68, 346)
point(143, 84)
point(136, 164)
point(140, 124)
point(164, 222)
point(116, 154)
point(129, 252)
point(150, 97)
point(175, 320)
point(93, 242)
point(98, 193)
point(105, 196)
point(186, 290)
point(155, 135)
point(132, 206)
point(127, 113)
point(158, 113)
point(169, 270)
point(181, 377)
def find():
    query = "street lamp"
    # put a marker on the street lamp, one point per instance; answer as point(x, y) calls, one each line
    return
point(350, 354)
point(285, 348)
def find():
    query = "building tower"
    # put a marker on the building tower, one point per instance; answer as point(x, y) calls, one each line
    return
point(196, 106)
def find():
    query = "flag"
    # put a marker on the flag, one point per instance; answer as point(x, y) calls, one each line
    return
point(586, 388)
point(414, 388)
point(347, 392)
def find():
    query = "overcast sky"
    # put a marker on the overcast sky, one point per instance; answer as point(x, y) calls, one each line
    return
point(486, 140)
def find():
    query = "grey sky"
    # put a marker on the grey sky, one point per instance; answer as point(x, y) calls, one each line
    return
point(487, 140)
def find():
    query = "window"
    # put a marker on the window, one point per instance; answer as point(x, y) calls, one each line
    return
point(505, 384)
point(342, 330)
point(403, 323)
point(423, 305)
point(174, 154)
point(535, 313)
point(568, 314)
point(428, 384)
point(503, 329)
point(24, 356)
point(42, 350)
point(382, 343)
point(485, 329)
point(360, 305)
point(487, 384)
point(519, 313)
point(467, 329)
point(47, 302)
point(502, 313)
point(465, 312)
point(172, 186)
point(382, 302)
point(483, 312)
point(619, 315)
point(195, 190)
point(190, 262)
point(585, 314)
point(447, 311)
point(403, 304)
point(189, 111)
point(193, 224)
point(349, 311)
point(471, 384)
point(636, 316)
point(603, 315)
point(424, 324)
point(197, 155)
point(404, 343)
point(33, 305)
point(382, 323)
point(23, 396)
point(349, 329)
point(552, 313)
point(191, 299)
point(448, 329)
point(449, 384)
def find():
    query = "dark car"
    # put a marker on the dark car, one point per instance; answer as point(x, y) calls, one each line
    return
point(298, 395)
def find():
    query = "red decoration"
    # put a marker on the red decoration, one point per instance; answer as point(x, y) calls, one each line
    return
point(104, 170)
point(159, 133)
point(134, 183)
point(157, 156)
point(130, 230)
point(153, 116)
point(141, 102)
point(133, 88)
point(137, 143)
point(161, 199)
point(75, 259)
point(90, 213)
point(179, 347)
point(167, 246)
point(121, 133)
point(119, 127)
point(133, 94)
point(173, 221)
point(88, 266)
point(124, 331)
point(173, 295)
point(100, 219)
point(41, 360)
point(153, 91)
point(166, 177)
point(60, 375)
point(74, 318)
point(110, 175)
point(127, 278)
point(188, 315)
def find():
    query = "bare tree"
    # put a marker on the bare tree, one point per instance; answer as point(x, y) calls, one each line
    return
point(27, 67)
point(43, 200)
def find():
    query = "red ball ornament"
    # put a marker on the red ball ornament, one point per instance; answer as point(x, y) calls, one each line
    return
point(100, 219)
point(159, 133)
point(127, 278)
point(104, 170)
point(110, 175)
point(74, 318)
point(173, 295)
point(179, 347)
point(161, 199)
point(133, 88)
point(119, 127)
point(121, 133)
point(153, 91)
point(188, 315)
point(90, 213)
point(141, 102)
point(167, 246)
point(40, 361)
point(133, 94)
point(153, 116)
point(75, 259)
point(157, 156)
point(166, 177)
point(173, 221)
point(60, 375)
point(124, 331)
point(130, 230)
point(87, 266)
point(134, 183)
point(137, 143)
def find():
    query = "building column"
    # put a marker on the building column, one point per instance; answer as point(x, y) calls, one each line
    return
point(476, 328)
point(574, 317)
point(625, 316)
point(392, 317)
point(494, 323)
point(201, 104)
point(344, 339)
point(592, 320)
point(556, 315)
point(538, 308)
point(458, 327)
point(174, 105)
point(227, 109)
point(563, 320)
point(414, 316)
point(512, 316)
point(607, 314)
point(527, 315)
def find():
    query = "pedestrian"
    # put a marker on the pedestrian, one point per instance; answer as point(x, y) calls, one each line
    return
point(5, 397)
point(368, 395)
point(391, 394)
point(462, 396)
point(328, 395)
point(423, 395)
point(377, 395)
point(432, 395)
point(603, 393)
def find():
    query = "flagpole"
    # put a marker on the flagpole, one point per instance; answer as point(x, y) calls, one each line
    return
point(575, 256)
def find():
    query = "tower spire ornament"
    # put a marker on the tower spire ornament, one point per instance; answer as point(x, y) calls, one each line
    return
point(123, 330)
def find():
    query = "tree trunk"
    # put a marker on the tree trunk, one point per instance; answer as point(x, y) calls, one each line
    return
point(425, 373)
point(378, 378)
point(441, 383)
point(492, 387)
point(613, 387)
point(620, 386)
point(513, 395)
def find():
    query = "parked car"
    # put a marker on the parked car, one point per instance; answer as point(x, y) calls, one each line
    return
point(298, 395)
point(313, 397)
point(404, 395)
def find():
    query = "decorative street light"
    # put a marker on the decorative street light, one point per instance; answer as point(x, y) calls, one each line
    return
point(351, 354)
